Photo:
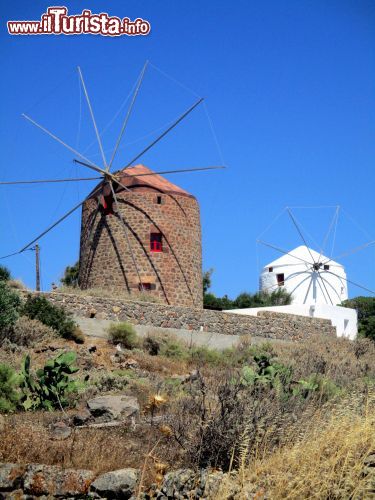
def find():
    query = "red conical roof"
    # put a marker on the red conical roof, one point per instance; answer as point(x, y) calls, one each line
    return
point(135, 176)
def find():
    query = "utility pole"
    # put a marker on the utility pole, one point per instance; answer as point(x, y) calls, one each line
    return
point(37, 267)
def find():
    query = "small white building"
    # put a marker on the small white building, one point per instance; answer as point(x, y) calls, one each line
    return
point(317, 285)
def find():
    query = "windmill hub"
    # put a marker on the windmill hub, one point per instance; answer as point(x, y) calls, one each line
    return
point(317, 266)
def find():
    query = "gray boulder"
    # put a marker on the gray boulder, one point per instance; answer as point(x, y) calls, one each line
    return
point(179, 484)
point(11, 476)
point(56, 481)
point(186, 483)
point(60, 431)
point(108, 408)
point(116, 484)
point(82, 417)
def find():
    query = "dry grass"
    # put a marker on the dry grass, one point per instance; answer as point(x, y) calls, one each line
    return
point(327, 461)
point(110, 294)
point(340, 359)
point(28, 332)
point(26, 438)
point(17, 285)
point(281, 445)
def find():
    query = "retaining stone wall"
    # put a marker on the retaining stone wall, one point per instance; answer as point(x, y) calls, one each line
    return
point(267, 324)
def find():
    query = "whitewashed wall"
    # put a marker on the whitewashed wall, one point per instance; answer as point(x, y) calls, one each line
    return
point(343, 318)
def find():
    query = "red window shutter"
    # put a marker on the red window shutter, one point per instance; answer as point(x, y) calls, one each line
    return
point(156, 242)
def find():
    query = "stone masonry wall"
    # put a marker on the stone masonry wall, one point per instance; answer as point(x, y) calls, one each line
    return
point(267, 324)
point(175, 274)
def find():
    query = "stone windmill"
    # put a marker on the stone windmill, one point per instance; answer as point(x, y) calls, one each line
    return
point(139, 231)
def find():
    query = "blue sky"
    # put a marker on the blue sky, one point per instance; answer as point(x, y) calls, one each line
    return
point(288, 85)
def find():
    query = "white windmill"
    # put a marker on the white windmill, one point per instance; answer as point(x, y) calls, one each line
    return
point(317, 283)
point(310, 277)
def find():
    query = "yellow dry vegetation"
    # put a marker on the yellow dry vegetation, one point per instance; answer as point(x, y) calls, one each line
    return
point(327, 462)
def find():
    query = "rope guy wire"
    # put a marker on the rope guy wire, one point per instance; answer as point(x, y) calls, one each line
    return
point(335, 231)
point(166, 75)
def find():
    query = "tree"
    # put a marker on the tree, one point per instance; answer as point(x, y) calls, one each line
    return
point(279, 297)
point(10, 304)
point(365, 307)
point(4, 274)
point(207, 280)
point(70, 277)
point(210, 301)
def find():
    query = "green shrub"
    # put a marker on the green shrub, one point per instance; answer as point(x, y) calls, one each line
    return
point(204, 355)
point(10, 303)
point(38, 307)
point(324, 387)
point(171, 348)
point(123, 333)
point(9, 394)
point(268, 372)
point(49, 388)
point(365, 307)
point(4, 274)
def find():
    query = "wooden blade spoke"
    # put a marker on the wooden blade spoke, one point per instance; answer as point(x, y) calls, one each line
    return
point(46, 230)
point(325, 288)
point(300, 232)
point(88, 163)
point(93, 118)
point(128, 115)
point(46, 181)
point(350, 252)
point(284, 252)
point(351, 282)
point(161, 172)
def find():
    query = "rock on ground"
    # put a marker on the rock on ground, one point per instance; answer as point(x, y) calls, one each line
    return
point(116, 484)
point(11, 476)
point(186, 483)
point(55, 481)
point(108, 408)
